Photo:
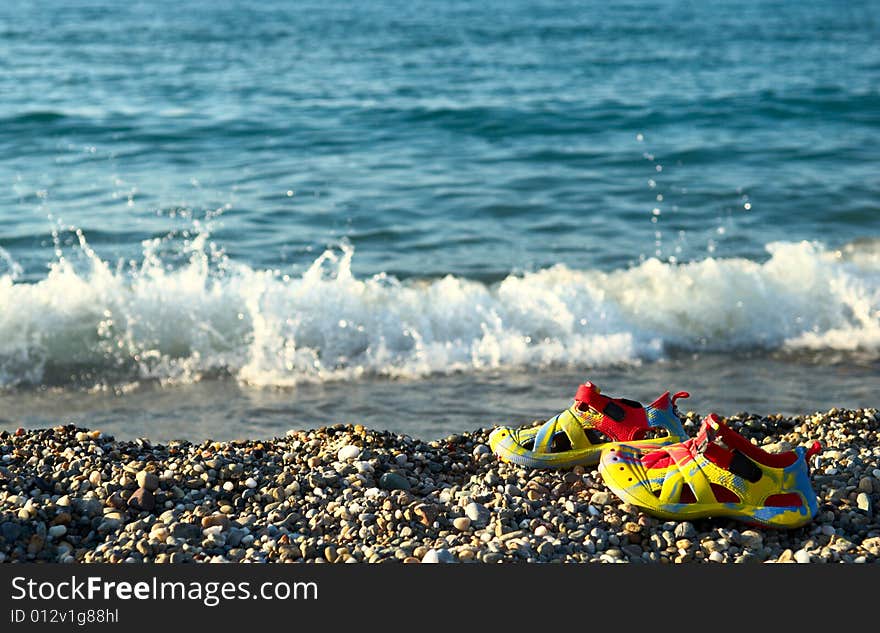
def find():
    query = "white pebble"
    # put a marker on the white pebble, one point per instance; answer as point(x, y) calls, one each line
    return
point(540, 530)
point(57, 530)
point(431, 556)
point(347, 452)
point(802, 556)
point(716, 557)
point(250, 482)
point(228, 486)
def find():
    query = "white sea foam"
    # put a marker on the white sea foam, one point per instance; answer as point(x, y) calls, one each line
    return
point(111, 323)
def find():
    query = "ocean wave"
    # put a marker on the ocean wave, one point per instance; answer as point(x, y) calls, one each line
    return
point(103, 324)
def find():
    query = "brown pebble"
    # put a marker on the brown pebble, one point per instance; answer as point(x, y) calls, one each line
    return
point(115, 501)
point(426, 513)
point(216, 519)
point(142, 499)
point(148, 480)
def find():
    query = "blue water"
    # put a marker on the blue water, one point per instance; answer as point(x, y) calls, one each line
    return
point(502, 187)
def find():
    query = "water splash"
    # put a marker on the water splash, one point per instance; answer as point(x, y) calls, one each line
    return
point(198, 313)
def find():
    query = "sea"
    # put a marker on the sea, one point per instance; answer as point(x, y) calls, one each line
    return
point(226, 219)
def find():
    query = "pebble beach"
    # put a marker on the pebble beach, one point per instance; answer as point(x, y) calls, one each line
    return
point(349, 494)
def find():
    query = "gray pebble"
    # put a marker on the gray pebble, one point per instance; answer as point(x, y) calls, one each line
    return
point(393, 481)
point(685, 530)
point(147, 480)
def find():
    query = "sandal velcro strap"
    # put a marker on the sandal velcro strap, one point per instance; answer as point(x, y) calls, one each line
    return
point(588, 394)
point(622, 419)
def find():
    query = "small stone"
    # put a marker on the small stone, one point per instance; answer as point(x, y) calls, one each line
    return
point(462, 524)
point(95, 478)
point(476, 512)
point(35, 545)
point(159, 532)
point(148, 480)
point(57, 531)
point(347, 452)
point(481, 449)
point(10, 531)
point(115, 501)
point(716, 557)
point(863, 501)
point(506, 536)
point(426, 513)
point(250, 482)
point(802, 556)
point(866, 485)
point(752, 539)
point(228, 486)
point(466, 555)
point(541, 530)
point(330, 553)
point(685, 530)
point(186, 531)
point(431, 556)
point(220, 520)
point(393, 481)
point(445, 556)
point(600, 498)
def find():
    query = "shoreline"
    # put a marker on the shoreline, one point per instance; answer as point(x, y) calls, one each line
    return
point(346, 493)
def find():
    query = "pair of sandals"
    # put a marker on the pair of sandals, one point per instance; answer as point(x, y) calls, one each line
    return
point(647, 459)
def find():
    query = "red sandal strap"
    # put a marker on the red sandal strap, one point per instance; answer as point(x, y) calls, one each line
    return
point(588, 393)
point(680, 394)
point(621, 421)
point(713, 427)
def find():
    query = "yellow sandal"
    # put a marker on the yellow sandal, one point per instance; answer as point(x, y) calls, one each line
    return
point(578, 434)
point(718, 473)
